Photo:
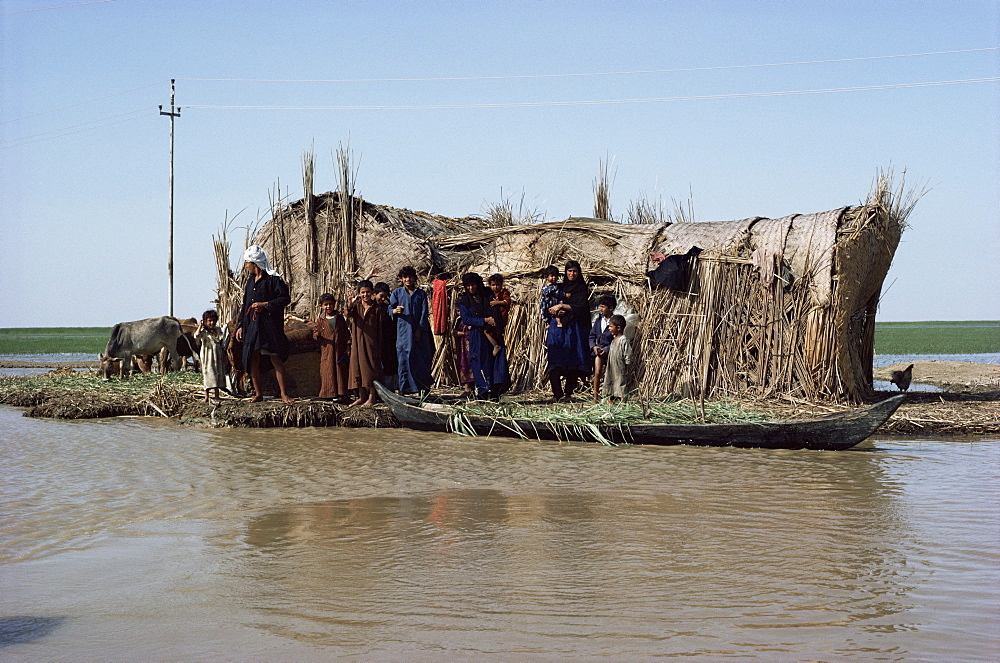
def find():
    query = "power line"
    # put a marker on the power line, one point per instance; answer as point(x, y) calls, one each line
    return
point(472, 78)
point(45, 9)
point(81, 124)
point(81, 103)
point(573, 75)
point(27, 140)
point(596, 102)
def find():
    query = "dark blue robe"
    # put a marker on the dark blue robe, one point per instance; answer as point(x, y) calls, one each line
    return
point(599, 338)
point(567, 346)
point(491, 374)
point(414, 347)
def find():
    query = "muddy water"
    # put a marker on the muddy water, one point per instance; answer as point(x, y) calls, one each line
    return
point(136, 539)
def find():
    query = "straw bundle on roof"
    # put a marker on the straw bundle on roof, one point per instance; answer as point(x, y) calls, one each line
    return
point(372, 238)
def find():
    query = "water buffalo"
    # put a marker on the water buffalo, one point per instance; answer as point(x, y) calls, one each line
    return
point(187, 346)
point(141, 337)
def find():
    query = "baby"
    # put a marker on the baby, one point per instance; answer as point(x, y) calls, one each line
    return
point(552, 293)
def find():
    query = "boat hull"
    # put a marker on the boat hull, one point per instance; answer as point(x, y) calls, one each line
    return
point(832, 432)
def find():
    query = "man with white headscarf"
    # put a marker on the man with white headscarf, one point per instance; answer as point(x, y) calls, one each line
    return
point(261, 326)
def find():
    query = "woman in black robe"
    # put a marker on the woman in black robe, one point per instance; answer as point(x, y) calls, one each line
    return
point(567, 346)
point(490, 372)
point(261, 326)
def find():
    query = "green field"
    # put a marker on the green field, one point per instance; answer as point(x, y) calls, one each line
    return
point(50, 340)
point(937, 338)
point(891, 338)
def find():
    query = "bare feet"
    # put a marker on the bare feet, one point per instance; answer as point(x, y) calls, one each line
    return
point(496, 350)
point(256, 399)
point(357, 402)
point(287, 399)
point(370, 402)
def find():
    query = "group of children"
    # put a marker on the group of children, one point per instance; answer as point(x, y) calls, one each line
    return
point(612, 351)
point(360, 345)
point(609, 347)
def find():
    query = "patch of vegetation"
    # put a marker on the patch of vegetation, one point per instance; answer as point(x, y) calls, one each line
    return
point(51, 340)
point(138, 384)
point(68, 394)
point(931, 338)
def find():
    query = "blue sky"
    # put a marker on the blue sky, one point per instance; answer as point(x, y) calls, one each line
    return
point(84, 152)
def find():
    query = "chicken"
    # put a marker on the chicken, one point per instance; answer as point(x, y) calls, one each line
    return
point(902, 378)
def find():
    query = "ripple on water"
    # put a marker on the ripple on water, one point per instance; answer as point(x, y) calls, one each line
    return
point(391, 544)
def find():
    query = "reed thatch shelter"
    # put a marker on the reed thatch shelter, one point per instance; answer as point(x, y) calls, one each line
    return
point(775, 307)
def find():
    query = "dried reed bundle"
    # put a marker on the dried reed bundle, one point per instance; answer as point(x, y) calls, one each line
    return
point(602, 192)
point(682, 213)
point(309, 209)
point(644, 210)
point(350, 210)
point(280, 249)
point(503, 214)
point(336, 271)
point(499, 215)
point(228, 289)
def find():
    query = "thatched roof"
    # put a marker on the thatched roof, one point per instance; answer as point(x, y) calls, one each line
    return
point(384, 239)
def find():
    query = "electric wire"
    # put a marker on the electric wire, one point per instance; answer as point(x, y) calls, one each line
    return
point(594, 102)
point(574, 75)
point(81, 103)
point(45, 9)
point(99, 124)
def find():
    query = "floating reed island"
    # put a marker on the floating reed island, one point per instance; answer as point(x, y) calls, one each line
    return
point(774, 307)
point(68, 394)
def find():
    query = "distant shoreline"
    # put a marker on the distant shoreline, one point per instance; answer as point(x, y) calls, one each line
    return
point(49, 364)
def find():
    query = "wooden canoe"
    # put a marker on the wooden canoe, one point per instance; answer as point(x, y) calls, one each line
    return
point(831, 432)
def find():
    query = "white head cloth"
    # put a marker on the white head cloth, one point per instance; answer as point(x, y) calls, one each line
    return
point(256, 255)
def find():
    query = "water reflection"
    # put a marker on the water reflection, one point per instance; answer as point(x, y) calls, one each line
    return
point(660, 553)
point(26, 628)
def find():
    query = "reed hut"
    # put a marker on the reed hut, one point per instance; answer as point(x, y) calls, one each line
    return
point(773, 307)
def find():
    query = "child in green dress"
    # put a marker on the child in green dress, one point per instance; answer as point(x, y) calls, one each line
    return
point(619, 359)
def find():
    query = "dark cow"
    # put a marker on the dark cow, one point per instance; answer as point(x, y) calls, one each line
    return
point(141, 337)
point(187, 345)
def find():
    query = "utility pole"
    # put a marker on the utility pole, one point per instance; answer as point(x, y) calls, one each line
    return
point(174, 112)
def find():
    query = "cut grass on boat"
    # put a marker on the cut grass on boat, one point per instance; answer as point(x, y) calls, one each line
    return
point(589, 421)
